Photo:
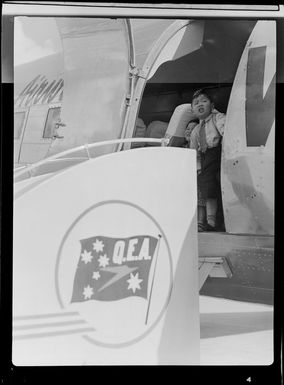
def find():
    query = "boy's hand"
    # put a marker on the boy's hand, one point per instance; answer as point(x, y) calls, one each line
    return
point(189, 130)
point(187, 135)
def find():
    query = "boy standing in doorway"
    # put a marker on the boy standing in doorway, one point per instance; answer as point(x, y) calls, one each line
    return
point(206, 140)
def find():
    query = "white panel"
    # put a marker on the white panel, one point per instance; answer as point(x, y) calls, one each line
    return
point(248, 169)
point(142, 192)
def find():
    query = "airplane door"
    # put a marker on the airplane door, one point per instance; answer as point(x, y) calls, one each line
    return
point(247, 172)
point(178, 39)
point(96, 82)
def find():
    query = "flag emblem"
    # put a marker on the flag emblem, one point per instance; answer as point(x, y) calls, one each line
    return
point(115, 269)
point(111, 269)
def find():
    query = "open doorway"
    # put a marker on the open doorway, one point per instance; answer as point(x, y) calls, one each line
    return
point(212, 66)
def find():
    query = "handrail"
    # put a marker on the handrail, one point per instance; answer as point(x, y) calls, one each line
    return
point(164, 142)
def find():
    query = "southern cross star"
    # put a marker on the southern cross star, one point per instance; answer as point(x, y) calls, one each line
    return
point(103, 260)
point(86, 256)
point(98, 246)
point(88, 292)
point(96, 275)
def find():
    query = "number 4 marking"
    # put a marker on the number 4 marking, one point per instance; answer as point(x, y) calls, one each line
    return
point(249, 379)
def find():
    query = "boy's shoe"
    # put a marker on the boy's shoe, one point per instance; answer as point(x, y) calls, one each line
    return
point(202, 227)
point(210, 228)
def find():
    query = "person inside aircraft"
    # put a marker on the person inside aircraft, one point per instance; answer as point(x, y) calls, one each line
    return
point(201, 203)
point(205, 138)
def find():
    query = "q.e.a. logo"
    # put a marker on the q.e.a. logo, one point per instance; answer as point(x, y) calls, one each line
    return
point(114, 270)
point(111, 269)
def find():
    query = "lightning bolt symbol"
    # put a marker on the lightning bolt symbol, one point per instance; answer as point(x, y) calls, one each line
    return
point(120, 272)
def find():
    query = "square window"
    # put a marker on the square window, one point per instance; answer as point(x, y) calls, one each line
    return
point(52, 117)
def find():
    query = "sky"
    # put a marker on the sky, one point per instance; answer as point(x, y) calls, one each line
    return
point(35, 37)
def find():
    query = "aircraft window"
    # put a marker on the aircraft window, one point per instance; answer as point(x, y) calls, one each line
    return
point(52, 117)
point(19, 119)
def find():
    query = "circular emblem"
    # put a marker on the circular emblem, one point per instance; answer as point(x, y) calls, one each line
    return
point(114, 268)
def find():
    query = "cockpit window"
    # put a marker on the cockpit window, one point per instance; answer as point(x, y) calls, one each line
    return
point(19, 119)
point(52, 117)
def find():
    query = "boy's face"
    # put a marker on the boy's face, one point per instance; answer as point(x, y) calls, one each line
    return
point(202, 106)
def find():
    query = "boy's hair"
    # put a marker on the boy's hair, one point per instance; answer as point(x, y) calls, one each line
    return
point(202, 91)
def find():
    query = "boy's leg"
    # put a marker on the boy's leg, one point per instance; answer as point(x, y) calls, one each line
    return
point(211, 209)
point(201, 215)
point(201, 212)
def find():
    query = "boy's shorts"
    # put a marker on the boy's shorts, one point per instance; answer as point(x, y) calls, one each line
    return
point(208, 180)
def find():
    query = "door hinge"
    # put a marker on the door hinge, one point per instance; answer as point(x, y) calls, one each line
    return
point(137, 72)
point(128, 99)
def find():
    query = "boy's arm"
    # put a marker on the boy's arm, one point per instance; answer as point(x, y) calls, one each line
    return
point(219, 121)
point(198, 161)
point(188, 131)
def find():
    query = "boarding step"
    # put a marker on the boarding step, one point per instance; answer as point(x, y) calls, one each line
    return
point(213, 267)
